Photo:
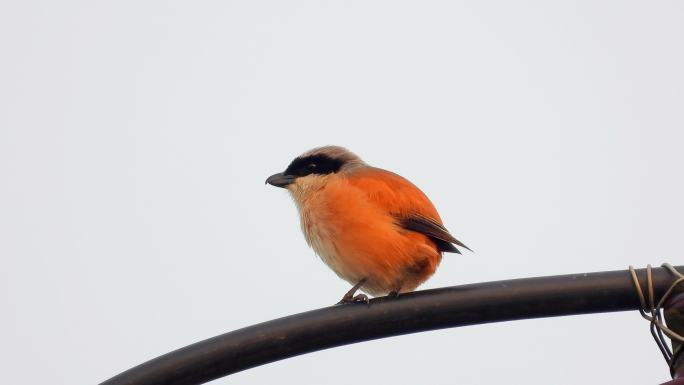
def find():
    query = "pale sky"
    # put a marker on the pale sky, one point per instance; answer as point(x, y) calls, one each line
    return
point(135, 138)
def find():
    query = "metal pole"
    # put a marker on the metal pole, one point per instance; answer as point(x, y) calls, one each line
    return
point(409, 313)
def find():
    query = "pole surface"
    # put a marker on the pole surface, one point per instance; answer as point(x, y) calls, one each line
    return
point(409, 313)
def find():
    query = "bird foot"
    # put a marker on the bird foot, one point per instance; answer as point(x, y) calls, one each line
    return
point(355, 299)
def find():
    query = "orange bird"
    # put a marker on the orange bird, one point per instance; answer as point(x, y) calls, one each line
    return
point(373, 228)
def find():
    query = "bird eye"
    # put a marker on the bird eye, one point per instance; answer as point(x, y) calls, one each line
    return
point(312, 166)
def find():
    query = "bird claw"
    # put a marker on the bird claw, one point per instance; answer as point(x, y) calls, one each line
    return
point(355, 299)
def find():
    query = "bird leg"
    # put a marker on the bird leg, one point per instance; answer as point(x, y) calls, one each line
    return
point(349, 297)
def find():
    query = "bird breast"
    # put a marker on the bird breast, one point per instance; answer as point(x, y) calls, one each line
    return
point(320, 232)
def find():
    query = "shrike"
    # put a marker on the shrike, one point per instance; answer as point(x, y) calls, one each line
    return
point(373, 228)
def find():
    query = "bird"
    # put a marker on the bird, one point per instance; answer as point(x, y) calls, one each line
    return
point(372, 227)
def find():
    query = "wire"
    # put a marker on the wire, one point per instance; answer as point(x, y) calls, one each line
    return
point(657, 326)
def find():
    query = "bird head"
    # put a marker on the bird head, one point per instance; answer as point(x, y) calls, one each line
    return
point(311, 170)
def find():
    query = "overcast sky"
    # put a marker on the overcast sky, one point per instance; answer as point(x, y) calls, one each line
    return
point(135, 138)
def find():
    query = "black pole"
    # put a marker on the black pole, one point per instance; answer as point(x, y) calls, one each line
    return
point(410, 313)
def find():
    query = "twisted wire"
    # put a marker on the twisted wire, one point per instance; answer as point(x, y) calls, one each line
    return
point(654, 312)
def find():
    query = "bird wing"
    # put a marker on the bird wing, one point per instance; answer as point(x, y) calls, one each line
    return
point(433, 230)
point(410, 207)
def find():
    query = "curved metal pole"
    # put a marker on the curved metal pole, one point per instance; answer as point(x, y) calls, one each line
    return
point(409, 313)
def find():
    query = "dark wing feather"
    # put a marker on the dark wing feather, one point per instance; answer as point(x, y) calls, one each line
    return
point(433, 230)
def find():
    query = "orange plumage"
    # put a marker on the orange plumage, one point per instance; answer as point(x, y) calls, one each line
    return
point(374, 228)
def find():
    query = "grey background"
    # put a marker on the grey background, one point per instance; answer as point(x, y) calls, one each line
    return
point(135, 137)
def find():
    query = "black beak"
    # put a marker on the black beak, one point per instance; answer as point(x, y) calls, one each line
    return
point(280, 179)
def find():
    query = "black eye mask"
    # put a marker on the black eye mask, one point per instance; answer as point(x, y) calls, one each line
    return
point(313, 164)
